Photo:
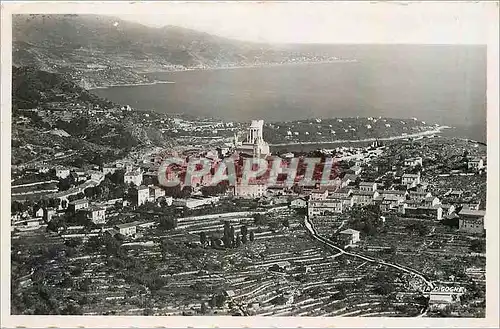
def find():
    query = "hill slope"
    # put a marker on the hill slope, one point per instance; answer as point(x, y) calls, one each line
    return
point(99, 50)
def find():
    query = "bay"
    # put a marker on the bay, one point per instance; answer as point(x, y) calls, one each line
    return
point(438, 84)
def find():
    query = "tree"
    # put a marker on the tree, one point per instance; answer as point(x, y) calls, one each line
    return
point(168, 223)
point(478, 246)
point(219, 300)
point(252, 236)
point(238, 241)
point(203, 308)
point(244, 230)
point(384, 288)
point(64, 184)
point(203, 238)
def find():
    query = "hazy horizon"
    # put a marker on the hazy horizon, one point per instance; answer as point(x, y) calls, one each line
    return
point(328, 23)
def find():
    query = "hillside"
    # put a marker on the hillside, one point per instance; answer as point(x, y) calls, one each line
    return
point(53, 116)
point(99, 50)
point(32, 87)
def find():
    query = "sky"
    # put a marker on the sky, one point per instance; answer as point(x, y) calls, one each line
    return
point(327, 22)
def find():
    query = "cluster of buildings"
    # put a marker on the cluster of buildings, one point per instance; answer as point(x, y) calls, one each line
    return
point(411, 198)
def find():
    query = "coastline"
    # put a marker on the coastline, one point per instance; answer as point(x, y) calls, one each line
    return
point(214, 69)
point(333, 61)
point(133, 84)
point(341, 141)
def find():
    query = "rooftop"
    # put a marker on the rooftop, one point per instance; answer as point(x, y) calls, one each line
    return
point(359, 192)
point(126, 225)
point(349, 231)
point(81, 201)
point(469, 212)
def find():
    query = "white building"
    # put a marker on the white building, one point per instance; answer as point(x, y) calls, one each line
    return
point(107, 169)
point(411, 180)
point(393, 193)
point(96, 214)
point(418, 196)
point(368, 186)
point(364, 198)
point(298, 203)
point(196, 202)
point(254, 143)
point(97, 175)
point(155, 192)
point(412, 162)
point(133, 176)
point(324, 207)
point(78, 205)
point(62, 172)
point(127, 229)
point(250, 190)
point(356, 170)
point(350, 236)
point(319, 194)
point(431, 201)
point(142, 195)
point(475, 164)
point(471, 221)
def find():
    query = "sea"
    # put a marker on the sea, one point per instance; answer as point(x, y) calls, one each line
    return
point(443, 84)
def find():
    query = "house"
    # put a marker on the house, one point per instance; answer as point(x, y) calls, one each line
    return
point(229, 293)
point(155, 192)
point(196, 202)
point(127, 229)
point(62, 173)
point(48, 214)
point(472, 205)
point(422, 187)
point(349, 178)
point(96, 175)
point(298, 203)
point(440, 299)
point(76, 205)
point(142, 195)
point(341, 193)
point(400, 194)
point(475, 164)
point(133, 176)
point(168, 201)
point(388, 203)
point(356, 170)
point(96, 215)
point(411, 179)
point(347, 201)
point(254, 190)
point(412, 162)
point(430, 201)
point(455, 194)
point(364, 198)
point(324, 207)
point(368, 186)
point(434, 213)
point(319, 194)
point(108, 169)
point(471, 221)
point(39, 213)
point(78, 176)
point(349, 237)
point(448, 209)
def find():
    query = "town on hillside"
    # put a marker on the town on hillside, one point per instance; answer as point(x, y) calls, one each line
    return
point(398, 231)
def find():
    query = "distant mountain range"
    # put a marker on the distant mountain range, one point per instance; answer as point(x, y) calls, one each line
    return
point(100, 50)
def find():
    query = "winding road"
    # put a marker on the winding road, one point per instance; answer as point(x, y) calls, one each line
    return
point(312, 230)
